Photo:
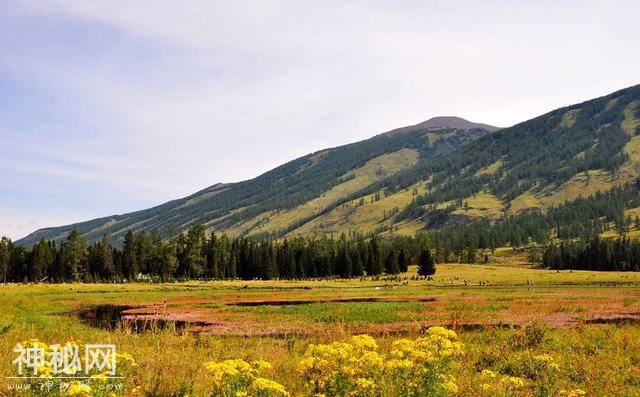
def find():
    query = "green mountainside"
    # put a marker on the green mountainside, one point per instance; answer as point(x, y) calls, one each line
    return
point(445, 171)
point(290, 194)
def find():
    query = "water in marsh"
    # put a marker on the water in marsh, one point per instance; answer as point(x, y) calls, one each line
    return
point(112, 317)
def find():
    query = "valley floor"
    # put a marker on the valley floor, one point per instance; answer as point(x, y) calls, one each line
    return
point(505, 315)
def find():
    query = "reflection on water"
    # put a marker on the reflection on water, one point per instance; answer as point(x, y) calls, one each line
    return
point(112, 317)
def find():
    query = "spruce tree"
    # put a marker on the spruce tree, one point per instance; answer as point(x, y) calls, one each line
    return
point(5, 257)
point(391, 263)
point(426, 264)
point(130, 259)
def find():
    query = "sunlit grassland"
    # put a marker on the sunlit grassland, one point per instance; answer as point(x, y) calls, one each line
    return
point(365, 216)
point(491, 169)
point(601, 359)
point(373, 171)
point(485, 205)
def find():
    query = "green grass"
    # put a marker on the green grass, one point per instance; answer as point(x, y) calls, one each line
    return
point(349, 312)
point(474, 307)
point(601, 359)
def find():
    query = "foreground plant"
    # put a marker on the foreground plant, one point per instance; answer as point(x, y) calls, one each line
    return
point(237, 378)
point(343, 368)
point(414, 367)
point(420, 367)
point(495, 384)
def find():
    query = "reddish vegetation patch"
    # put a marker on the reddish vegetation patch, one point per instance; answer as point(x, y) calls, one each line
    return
point(457, 310)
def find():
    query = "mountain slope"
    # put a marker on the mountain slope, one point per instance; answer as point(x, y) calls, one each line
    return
point(444, 171)
point(289, 195)
point(560, 156)
point(571, 152)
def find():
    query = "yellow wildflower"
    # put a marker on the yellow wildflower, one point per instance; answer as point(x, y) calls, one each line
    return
point(487, 373)
point(79, 389)
point(573, 393)
point(263, 385)
point(364, 342)
point(512, 381)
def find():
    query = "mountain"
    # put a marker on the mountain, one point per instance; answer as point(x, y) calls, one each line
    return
point(437, 123)
point(281, 200)
point(444, 171)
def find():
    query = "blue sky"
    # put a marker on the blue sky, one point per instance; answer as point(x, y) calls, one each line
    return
point(109, 107)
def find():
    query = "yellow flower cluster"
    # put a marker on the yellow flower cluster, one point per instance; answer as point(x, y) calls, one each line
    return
point(238, 378)
point(497, 384)
point(416, 366)
point(79, 389)
point(546, 361)
point(438, 344)
point(356, 368)
point(573, 393)
point(343, 368)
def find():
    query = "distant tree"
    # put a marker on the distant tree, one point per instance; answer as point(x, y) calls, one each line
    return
point(426, 264)
point(356, 260)
point(106, 267)
point(74, 256)
point(391, 263)
point(343, 262)
point(194, 251)
point(375, 257)
point(130, 258)
point(286, 260)
point(42, 258)
point(403, 261)
point(168, 260)
point(5, 257)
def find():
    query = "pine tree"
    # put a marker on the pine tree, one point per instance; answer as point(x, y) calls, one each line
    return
point(74, 256)
point(5, 257)
point(41, 259)
point(356, 260)
point(377, 266)
point(426, 264)
point(391, 263)
point(344, 265)
point(194, 251)
point(130, 259)
point(403, 262)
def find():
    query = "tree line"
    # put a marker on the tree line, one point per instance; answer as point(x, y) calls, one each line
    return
point(579, 219)
point(621, 254)
point(197, 254)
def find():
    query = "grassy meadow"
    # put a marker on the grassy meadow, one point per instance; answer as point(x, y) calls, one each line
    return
point(550, 333)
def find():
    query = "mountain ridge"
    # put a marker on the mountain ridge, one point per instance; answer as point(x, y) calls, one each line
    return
point(412, 178)
point(444, 122)
point(444, 139)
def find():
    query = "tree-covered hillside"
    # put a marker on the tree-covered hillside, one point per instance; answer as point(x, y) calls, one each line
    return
point(344, 169)
point(571, 152)
point(434, 175)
